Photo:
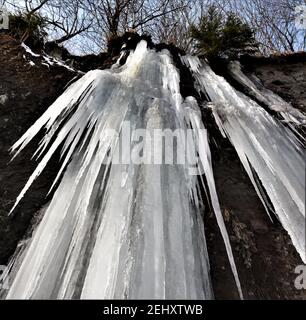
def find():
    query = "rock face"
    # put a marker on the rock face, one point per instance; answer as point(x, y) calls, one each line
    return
point(26, 90)
point(263, 251)
point(284, 74)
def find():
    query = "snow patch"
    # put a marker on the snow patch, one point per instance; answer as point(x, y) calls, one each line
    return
point(28, 50)
point(49, 61)
point(3, 99)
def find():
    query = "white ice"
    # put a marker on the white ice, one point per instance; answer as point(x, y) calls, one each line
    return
point(263, 144)
point(266, 96)
point(119, 230)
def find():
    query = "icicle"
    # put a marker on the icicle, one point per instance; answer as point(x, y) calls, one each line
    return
point(205, 158)
point(266, 96)
point(118, 230)
point(272, 149)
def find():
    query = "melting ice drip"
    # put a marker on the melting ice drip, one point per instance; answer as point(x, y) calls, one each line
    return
point(262, 143)
point(119, 230)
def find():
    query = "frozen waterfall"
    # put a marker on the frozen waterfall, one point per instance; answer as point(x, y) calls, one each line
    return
point(125, 222)
point(115, 229)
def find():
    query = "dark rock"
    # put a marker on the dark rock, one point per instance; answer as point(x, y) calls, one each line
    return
point(30, 91)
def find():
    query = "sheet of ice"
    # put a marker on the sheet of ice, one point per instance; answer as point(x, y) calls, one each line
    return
point(262, 143)
point(119, 230)
point(266, 96)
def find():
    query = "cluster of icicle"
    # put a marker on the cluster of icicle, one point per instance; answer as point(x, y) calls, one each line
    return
point(136, 231)
point(264, 145)
point(119, 230)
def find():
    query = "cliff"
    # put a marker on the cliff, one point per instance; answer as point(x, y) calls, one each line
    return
point(264, 254)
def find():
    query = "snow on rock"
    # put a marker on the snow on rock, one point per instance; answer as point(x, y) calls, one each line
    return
point(3, 99)
point(51, 61)
point(28, 50)
point(48, 60)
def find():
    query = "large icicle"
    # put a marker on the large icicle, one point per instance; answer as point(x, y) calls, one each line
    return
point(262, 143)
point(119, 230)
